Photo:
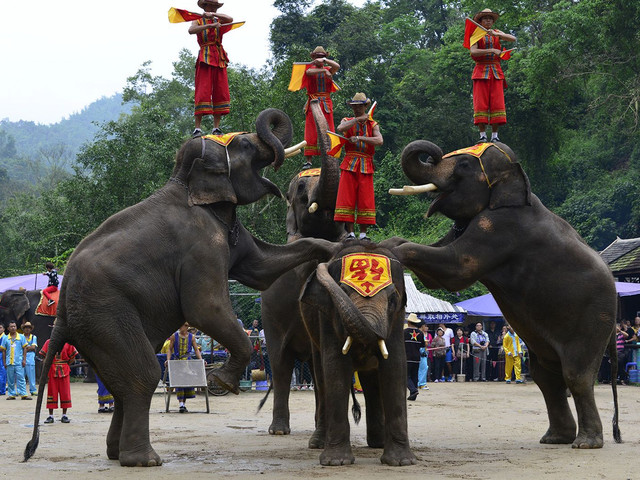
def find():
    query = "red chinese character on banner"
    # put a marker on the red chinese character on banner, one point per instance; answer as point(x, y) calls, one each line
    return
point(359, 268)
point(376, 269)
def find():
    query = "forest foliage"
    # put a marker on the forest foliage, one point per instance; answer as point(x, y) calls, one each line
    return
point(572, 105)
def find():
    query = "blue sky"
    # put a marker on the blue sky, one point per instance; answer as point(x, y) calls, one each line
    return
point(64, 55)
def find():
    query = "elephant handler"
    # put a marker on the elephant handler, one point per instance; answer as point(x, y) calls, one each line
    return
point(488, 78)
point(512, 355)
point(59, 382)
point(182, 346)
point(355, 190)
point(212, 85)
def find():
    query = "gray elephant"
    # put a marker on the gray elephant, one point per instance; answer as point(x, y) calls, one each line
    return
point(165, 261)
point(353, 309)
point(20, 306)
point(552, 288)
point(311, 201)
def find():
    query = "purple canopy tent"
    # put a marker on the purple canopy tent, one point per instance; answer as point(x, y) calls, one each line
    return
point(486, 306)
point(28, 282)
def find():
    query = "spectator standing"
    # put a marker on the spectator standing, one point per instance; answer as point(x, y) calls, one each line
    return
point(413, 342)
point(14, 357)
point(448, 358)
point(439, 348)
point(479, 346)
point(52, 286)
point(3, 370)
point(59, 383)
point(423, 370)
point(629, 342)
point(211, 82)
point(512, 354)
point(32, 347)
point(460, 348)
point(183, 346)
point(495, 342)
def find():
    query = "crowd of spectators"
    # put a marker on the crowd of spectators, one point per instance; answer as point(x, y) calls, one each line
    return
point(627, 344)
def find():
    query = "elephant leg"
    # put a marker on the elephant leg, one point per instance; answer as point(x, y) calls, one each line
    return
point(580, 381)
point(562, 426)
point(318, 437)
point(337, 377)
point(213, 313)
point(281, 368)
point(393, 374)
point(373, 408)
point(131, 379)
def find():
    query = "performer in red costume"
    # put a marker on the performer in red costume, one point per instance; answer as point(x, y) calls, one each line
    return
point(488, 78)
point(59, 383)
point(355, 191)
point(318, 81)
point(212, 86)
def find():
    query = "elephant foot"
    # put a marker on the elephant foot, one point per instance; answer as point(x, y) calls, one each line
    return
point(398, 457)
point(552, 437)
point(317, 440)
point(148, 458)
point(113, 452)
point(375, 440)
point(584, 441)
point(336, 457)
point(226, 380)
point(279, 427)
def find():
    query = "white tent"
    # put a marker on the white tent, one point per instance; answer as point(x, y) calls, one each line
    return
point(428, 308)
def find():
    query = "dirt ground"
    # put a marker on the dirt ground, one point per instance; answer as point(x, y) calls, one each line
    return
point(467, 430)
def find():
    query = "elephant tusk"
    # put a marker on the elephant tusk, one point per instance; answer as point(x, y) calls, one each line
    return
point(347, 345)
point(313, 207)
point(383, 348)
point(413, 189)
point(295, 149)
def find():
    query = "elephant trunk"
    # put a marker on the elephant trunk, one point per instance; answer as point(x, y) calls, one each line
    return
point(273, 127)
point(326, 193)
point(414, 168)
point(356, 324)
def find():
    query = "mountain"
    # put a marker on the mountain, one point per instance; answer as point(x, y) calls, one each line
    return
point(30, 138)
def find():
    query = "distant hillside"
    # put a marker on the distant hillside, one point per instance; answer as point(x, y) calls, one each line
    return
point(72, 132)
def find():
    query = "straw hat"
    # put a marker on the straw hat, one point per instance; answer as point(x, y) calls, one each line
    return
point(413, 318)
point(215, 3)
point(27, 324)
point(361, 99)
point(319, 52)
point(487, 12)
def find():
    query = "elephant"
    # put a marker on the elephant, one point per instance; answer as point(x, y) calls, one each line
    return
point(353, 309)
point(20, 306)
point(165, 261)
point(554, 290)
point(311, 201)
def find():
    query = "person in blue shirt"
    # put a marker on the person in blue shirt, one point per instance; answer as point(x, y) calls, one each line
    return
point(32, 347)
point(14, 356)
point(3, 371)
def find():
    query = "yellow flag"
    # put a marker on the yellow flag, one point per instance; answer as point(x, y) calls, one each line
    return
point(297, 75)
point(337, 141)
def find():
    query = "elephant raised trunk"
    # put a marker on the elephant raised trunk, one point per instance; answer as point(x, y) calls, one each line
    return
point(414, 168)
point(367, 330)
point(325, 194)
point(273, 127)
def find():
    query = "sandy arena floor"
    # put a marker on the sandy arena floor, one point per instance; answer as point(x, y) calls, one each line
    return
point(471, 431)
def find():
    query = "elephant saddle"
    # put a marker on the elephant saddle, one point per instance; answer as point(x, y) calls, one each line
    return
point(44, 308)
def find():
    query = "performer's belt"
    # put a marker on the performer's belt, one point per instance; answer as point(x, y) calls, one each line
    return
point(60, 362)
point(487, 62)
point(209, 44)
point(358, 154)
point(315, 96)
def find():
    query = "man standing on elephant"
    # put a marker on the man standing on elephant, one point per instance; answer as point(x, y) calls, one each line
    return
point(318, 81)
point(355, 191)
point(413, 341)
point(488, 78)
point(212, 85)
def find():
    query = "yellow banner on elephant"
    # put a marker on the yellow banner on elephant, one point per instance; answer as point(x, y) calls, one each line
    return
point(224, 139)
point(312, 172)
point(366, 273)
point(477, 150)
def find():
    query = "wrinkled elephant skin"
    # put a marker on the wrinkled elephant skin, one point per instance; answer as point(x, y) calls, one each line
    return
point(552, 288)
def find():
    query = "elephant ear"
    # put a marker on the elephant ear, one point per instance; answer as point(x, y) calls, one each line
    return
point(314, 294)
point(510, 185)
point(209, 181)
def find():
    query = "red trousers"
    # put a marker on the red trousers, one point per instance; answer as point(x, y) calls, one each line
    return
point(212, 90)
point(355, 192)
point(48, 290)
point(488, 102)
point(59, 387)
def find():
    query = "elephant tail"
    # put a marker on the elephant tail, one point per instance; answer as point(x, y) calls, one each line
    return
point(355, 409)
point(613, 356)
point(262, 402)
point(57, 341)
